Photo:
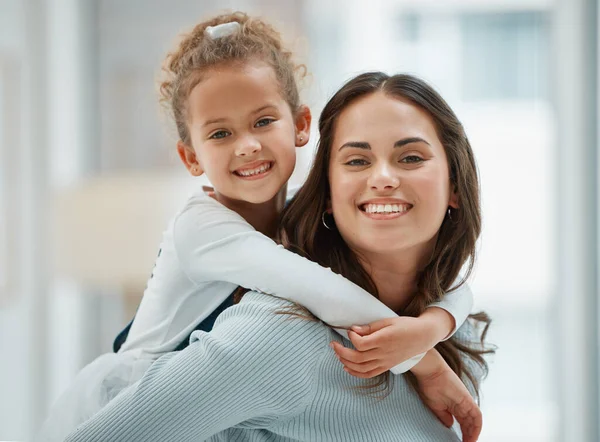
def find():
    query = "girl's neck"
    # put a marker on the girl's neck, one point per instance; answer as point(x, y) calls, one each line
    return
point(264, 217)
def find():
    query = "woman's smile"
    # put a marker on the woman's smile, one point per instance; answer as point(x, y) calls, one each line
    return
point(384, 209)
point(389, 164)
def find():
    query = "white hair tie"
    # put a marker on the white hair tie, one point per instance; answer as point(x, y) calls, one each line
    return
point(223, 30)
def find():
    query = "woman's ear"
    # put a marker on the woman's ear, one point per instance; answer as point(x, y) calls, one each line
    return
point(453, 201)
point(328, 207)
point(302, 123)
point(188, 158)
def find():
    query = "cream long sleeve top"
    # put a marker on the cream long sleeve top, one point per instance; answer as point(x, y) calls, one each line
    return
point(208, 250)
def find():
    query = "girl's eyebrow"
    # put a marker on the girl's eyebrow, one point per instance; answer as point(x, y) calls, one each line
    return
point(262, 108)
point(216, 120)
point(367, 146)
point(221, 120)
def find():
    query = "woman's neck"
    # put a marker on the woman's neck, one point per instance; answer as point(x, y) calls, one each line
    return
point(264, 217)
point(396, 275)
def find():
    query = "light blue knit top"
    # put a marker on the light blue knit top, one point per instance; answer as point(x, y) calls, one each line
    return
point(261, 376)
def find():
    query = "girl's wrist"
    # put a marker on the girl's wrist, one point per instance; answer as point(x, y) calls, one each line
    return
point(439, 321)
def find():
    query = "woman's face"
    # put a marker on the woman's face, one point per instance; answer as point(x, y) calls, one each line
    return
point(390, 186)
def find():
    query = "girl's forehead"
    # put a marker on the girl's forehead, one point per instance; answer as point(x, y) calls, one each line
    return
point(221, 78)
point(232, 90)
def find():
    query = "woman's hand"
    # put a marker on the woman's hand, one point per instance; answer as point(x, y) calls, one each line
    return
point(446, 395)
point(384, 344)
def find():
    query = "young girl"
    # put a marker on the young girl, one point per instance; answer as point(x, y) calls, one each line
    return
point(235, 101)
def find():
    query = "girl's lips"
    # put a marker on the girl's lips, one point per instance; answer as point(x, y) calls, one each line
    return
point(254, 171)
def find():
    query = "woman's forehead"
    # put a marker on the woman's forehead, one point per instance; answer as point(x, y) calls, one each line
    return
point(379, 114)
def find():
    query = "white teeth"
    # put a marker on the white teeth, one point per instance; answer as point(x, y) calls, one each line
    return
point(386, 208)
point(256, 171)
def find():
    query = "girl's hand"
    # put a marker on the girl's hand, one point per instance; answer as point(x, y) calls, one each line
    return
point(384, 344)
point(446, 395)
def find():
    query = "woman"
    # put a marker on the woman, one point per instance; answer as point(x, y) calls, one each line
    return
point(392, 203)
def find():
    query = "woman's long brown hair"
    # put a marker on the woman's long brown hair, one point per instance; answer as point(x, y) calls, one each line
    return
point(303, 232)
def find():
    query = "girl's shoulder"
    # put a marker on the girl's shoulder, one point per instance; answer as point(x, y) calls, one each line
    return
point(202, 208)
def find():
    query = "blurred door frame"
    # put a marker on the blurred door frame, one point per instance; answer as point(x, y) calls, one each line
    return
point(576, 209)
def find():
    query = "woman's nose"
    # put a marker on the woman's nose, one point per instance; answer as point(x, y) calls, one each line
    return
point(383, 177)
point(247, 146)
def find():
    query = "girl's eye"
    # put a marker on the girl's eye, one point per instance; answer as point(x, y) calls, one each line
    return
point(264, 122)
point(357, 162)
point(412, 159)
point(219, 135)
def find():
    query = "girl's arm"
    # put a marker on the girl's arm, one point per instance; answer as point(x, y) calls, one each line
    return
point(456, 305)
point(214, 243)
point(245, 369)
point(385, 343)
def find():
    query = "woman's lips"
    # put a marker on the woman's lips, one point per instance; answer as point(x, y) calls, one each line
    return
point(383, 210)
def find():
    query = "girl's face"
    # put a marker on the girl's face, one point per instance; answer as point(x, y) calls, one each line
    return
point(243, 133)
point(390, 186)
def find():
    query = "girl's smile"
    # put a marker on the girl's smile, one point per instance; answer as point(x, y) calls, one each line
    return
point(255, 170)
point(243, 132)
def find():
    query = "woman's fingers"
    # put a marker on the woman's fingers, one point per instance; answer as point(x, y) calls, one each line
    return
point(469, 417)
point(444, 416)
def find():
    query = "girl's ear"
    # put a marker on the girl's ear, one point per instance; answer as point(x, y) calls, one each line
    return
point(303, 120)
point(188, 158)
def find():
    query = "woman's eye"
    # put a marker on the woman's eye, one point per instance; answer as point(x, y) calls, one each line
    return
point(219, 135)
point(264, 122)
point(357, 162)
point(412, 159)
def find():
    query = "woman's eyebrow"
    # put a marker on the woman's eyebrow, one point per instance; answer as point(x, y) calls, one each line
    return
point(356, 144)
point(367, 146)
point(410, 140)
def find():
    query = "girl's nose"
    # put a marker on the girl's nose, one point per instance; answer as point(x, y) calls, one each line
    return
point(248, 146)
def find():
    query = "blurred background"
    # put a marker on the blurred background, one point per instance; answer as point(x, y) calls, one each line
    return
point(89, 178)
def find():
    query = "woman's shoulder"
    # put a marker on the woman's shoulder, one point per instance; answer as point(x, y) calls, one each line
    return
point(261, 326)
point(257, 338)
point(265, 313)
